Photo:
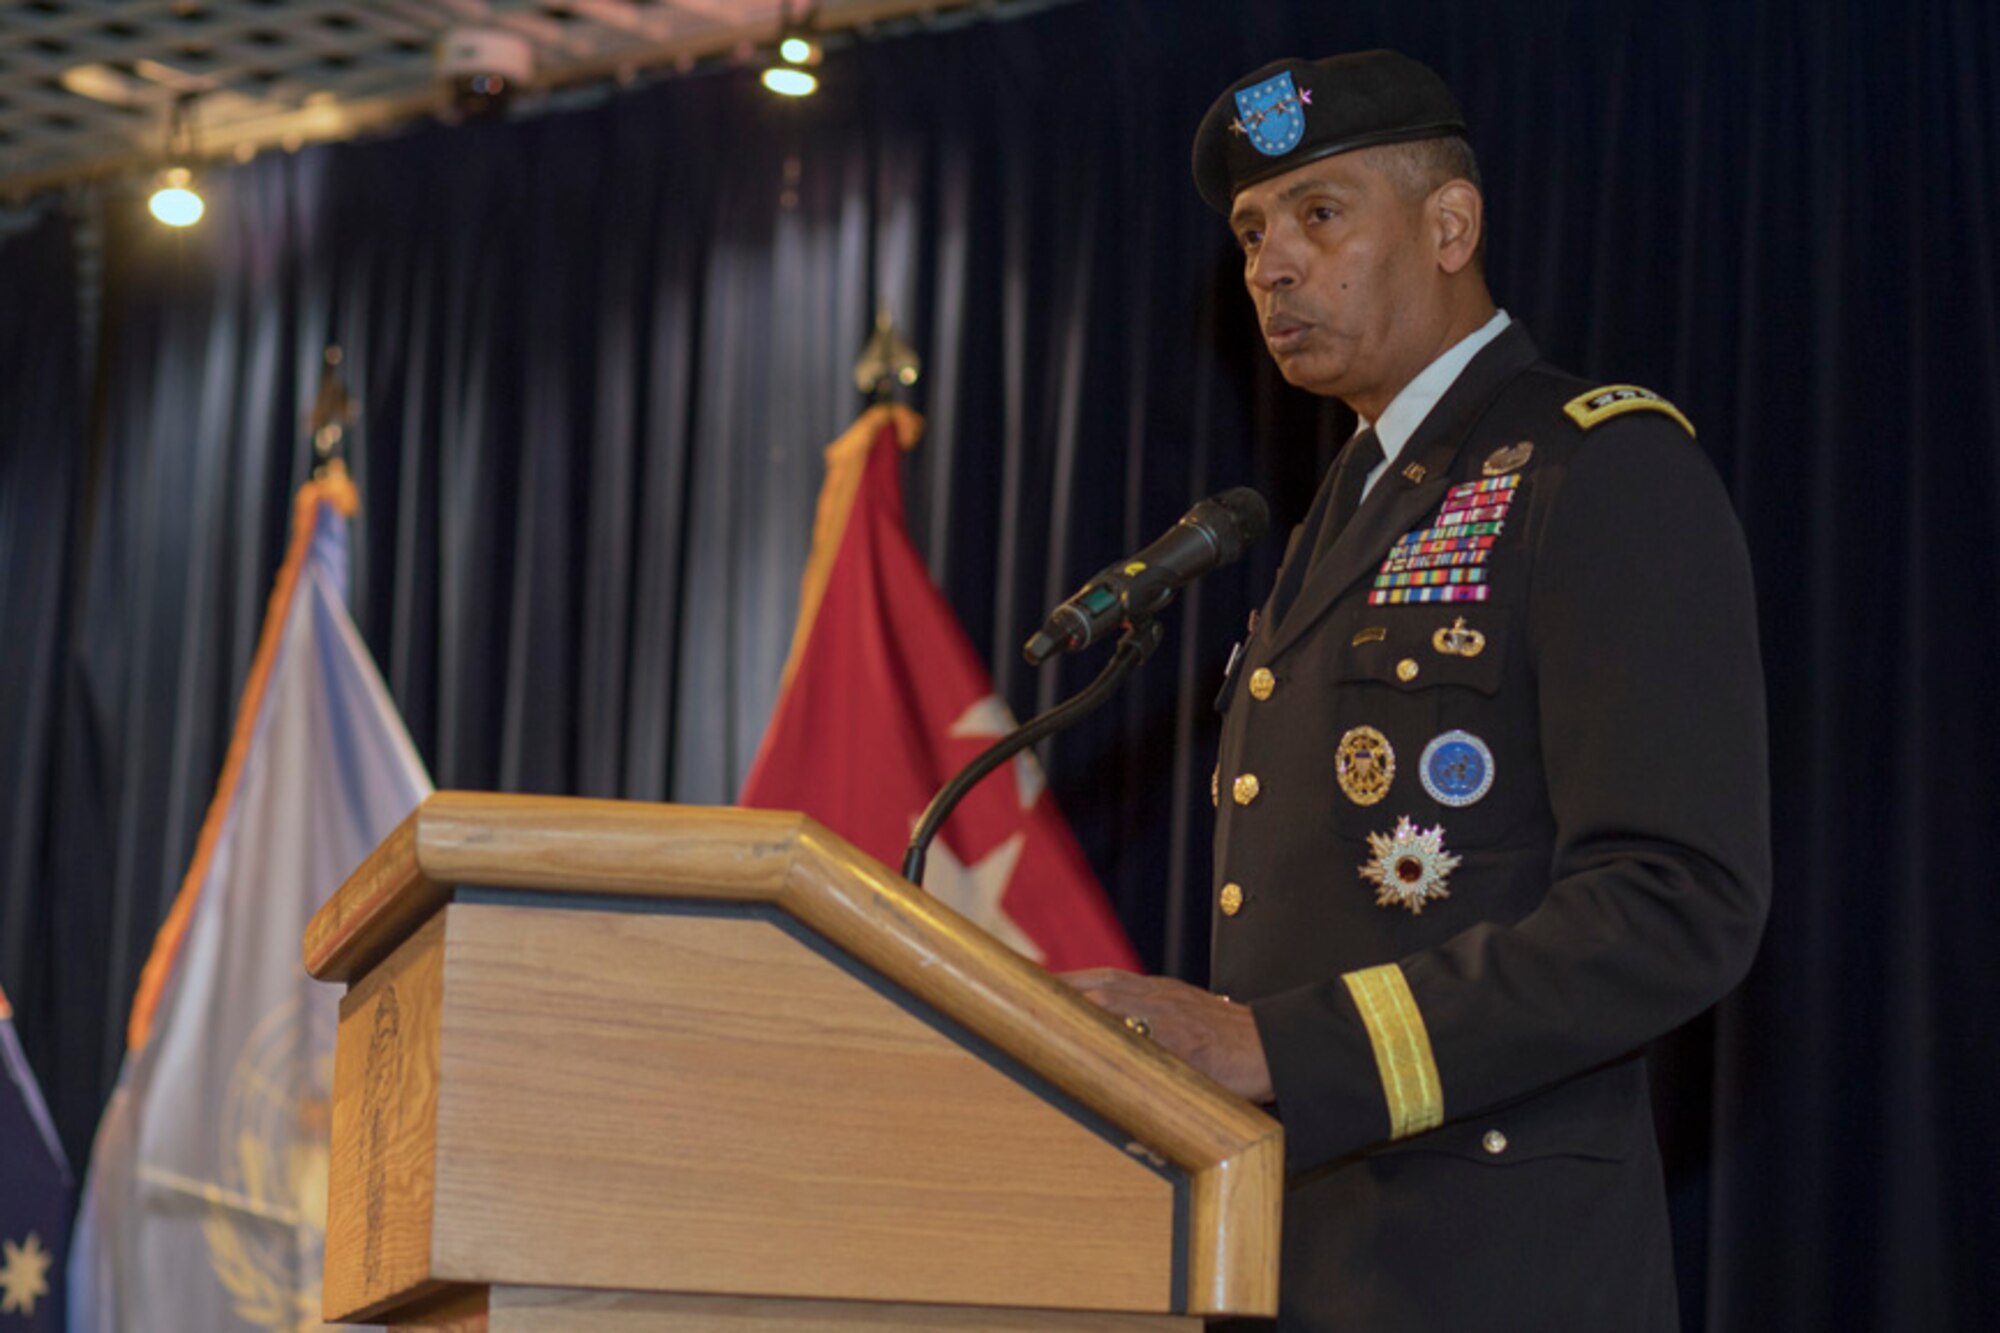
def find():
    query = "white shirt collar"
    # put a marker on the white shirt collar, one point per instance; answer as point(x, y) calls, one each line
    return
point(1407, 410)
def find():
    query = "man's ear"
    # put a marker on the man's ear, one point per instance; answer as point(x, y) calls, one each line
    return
point(1458, 216)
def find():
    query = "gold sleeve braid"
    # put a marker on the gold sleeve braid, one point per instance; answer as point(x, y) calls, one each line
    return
point(1402, 1049)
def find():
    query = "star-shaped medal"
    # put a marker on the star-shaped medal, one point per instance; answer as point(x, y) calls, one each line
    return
point(1410, 866)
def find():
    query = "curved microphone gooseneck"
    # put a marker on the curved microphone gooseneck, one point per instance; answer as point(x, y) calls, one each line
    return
point(1133, 649)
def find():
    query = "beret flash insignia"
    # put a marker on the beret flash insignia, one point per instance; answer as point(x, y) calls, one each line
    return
point(1272, 114)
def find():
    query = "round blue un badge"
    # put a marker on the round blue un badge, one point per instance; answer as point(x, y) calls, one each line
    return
point(1457, 768)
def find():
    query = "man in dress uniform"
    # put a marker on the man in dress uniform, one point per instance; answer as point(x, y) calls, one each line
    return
point(1492, 783)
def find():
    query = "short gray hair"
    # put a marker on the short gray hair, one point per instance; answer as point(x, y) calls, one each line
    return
point(1418, 166)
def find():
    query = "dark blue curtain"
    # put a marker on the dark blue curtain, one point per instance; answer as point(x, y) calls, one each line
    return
point(44, 465)
point(596, 354)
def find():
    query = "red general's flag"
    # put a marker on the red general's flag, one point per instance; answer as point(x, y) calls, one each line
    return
point(884, 700)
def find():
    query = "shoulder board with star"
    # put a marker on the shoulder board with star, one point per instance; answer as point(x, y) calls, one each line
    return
point(1593, 409)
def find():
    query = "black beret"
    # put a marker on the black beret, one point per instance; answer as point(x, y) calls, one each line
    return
point(1292, 112)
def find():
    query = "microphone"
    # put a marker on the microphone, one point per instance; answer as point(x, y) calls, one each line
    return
point(1214, 533)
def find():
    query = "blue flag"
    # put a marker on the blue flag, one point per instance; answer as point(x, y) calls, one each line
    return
point(204, 1210)
point(35, 1197)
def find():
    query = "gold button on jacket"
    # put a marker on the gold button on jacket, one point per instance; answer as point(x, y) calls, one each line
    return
point(1232, 899)
point(1262, 682)
point(1245, 788)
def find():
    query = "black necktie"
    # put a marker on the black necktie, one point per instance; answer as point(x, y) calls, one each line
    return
point(1349, 479)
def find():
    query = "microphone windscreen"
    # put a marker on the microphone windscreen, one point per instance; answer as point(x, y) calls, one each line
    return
point(1249, 515)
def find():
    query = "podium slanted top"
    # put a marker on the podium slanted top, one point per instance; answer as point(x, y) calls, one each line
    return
point(552, 848)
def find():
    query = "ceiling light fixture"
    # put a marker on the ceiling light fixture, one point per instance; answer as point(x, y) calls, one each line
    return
point(175, 201)
point(481, 69)
point(790, 75)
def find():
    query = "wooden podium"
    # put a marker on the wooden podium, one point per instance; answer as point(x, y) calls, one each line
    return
point(613, 1066)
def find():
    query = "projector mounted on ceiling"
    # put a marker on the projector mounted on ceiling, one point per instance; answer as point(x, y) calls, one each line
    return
point(480, 69)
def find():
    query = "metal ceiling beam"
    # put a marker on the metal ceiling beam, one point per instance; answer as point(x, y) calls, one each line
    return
point(289, 111)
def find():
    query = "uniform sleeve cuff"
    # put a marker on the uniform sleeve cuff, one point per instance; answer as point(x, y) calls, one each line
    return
point(1327, 1073)
point(1402, 1049)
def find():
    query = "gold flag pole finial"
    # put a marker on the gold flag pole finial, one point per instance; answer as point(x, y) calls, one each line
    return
point(886, 361)
point(333, 412)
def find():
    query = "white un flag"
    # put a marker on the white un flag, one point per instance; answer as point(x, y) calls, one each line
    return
point(205, 1206)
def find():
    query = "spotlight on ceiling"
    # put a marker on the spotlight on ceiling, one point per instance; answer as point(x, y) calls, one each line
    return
point(790, 82)
point(174, 200)
point(790, 75)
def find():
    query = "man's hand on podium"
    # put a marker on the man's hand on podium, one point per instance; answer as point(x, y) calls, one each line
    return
point(1208, 1031)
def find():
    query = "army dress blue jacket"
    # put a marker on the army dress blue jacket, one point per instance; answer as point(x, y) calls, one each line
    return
point(1492, 815)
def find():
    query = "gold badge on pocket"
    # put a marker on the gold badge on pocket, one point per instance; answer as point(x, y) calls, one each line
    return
point(1459, 640)
point(1365, 763)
